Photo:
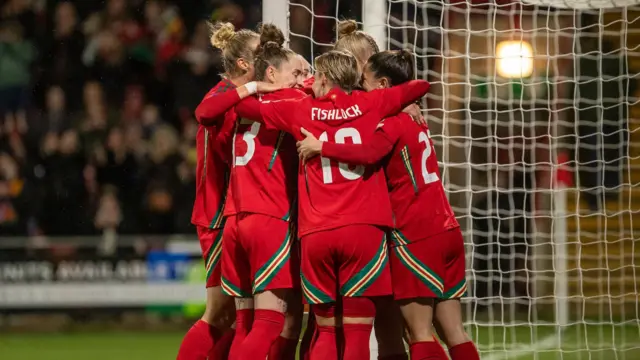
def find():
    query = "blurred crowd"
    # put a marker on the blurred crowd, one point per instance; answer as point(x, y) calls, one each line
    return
point(96, 112)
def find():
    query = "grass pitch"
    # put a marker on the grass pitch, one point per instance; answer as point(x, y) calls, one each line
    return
point(517, 342)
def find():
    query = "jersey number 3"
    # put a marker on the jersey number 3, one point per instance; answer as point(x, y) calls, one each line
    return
point(428, 150)
point(345, 171)
point(249, 138)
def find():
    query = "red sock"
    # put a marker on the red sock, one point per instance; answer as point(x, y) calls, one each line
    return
point(325, 346)
point(283, 349)
point(356, 341)
point(426, 350)
point(441, 352)
point(267, 326)
point(198, 341)
point(308, 338)
point(244, 321)
point(464, 351)
point(221, 348)
point(394, 357)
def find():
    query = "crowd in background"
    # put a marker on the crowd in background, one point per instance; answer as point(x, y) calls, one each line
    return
point(96, 102)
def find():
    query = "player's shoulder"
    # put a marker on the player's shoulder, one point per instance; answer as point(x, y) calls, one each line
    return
point(222, 86)
point(290, 93)
point(398, 119)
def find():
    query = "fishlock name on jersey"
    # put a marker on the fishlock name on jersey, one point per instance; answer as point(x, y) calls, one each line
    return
point(335, 114)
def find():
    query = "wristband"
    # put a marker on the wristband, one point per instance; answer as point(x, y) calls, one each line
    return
point(252, 87)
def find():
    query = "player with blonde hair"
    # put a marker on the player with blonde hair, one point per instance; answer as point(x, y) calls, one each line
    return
point(426, 248)
point(209, 337)
point(343, 210)
point(260, 263)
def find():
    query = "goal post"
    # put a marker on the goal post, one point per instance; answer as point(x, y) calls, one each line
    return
point(535, 116)
point(374, 21)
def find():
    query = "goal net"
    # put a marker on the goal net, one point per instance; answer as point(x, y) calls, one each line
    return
point(534, 111)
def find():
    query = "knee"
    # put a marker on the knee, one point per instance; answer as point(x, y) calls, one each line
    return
point(453, 334)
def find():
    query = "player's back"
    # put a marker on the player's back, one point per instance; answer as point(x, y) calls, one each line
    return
point(418, 199)
point(211, 172)
point(334, 194)
point(263, 177)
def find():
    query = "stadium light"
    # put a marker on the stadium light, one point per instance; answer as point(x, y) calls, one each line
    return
point(514, 59)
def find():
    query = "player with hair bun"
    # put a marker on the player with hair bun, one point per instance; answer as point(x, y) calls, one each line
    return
point(209, 337)
point(343, 210)
point(357, 42)
point(260, 262)
point(427, 248)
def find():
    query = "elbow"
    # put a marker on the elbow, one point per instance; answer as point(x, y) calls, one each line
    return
point(203, 117)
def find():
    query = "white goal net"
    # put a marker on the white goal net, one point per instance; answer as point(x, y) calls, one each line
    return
point(535, 113)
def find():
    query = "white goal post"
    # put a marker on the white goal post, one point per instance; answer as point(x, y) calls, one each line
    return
point(535, 114)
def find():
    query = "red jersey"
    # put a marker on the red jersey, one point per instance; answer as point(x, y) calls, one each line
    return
point(418, 200)
point(265, 165)
point(333, 194)
point(211, 169)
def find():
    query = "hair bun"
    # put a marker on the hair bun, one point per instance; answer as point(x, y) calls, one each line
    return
point(271, 33)
point(221, 34)
point(271, 45)
point(405, 54)
point(346, 28)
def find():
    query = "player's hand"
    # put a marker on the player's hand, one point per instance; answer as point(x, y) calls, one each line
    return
point(416, 114)
point(265, 87)
point(309, 147)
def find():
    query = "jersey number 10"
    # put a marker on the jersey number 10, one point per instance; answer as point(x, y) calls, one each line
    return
point(345, 171)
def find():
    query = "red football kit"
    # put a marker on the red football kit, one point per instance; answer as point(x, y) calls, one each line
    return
point(337, 199)
point(212, 175)
point(257, 249)
point(424, 220)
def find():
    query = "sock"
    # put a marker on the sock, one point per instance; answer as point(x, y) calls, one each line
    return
point(441, 352)
point(198, 341)
point(325, 346)
point(267, 326)
point(394, 357)
point(244, 321)
point(308, 338)
point(464, 351)
point(426, 350)
point(283, 349)
point(221, 348)
point(356, 341)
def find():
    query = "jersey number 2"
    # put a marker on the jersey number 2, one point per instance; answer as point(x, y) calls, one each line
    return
point(426, 175)
point(249, 138)
point(345, 171)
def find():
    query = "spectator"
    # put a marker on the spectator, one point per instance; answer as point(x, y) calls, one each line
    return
point(101, 153)
point(192, 74)
point(65, 200)
point(63, 50)
point(16, 55)
point(162, 179)
point(15, 206)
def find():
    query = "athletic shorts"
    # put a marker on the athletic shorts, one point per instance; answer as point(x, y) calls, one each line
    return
point(348, 261)
point(430, 268)
point(258, 254)
point(211, 245)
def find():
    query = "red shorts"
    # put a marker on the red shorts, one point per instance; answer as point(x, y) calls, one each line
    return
point(348, 261)
point(258, 254)
point(429, 268)
point(211, 245)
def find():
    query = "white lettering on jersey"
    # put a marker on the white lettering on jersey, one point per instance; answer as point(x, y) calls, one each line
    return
point(335, 114)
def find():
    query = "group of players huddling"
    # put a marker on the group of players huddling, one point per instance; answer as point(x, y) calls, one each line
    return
point(355, 220)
